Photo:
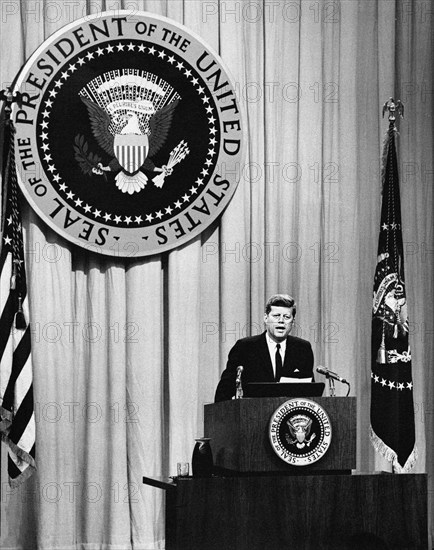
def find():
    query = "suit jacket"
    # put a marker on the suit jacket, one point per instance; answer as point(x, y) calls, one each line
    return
point(252, 354)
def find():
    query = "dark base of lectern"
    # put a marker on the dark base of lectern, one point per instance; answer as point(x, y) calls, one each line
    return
point(312, 512)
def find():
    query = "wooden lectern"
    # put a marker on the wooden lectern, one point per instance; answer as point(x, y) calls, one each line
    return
point(239, 435)
point(256, 501)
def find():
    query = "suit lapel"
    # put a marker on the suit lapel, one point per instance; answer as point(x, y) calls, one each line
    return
point(265, 359)
point(288, 353)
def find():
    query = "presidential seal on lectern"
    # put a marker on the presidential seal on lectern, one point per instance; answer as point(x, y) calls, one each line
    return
point(300, 432)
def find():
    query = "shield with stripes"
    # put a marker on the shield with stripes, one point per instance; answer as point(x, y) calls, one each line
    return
point(131, 151)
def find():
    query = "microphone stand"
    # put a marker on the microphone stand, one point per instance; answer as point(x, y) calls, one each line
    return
point(239, 387)
point(331, 386)
point(331, 377)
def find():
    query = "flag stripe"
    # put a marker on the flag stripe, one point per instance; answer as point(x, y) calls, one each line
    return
point(19, 426)
point(20, 357)
point(13, 471)
point(27, 438)
point(6, 322)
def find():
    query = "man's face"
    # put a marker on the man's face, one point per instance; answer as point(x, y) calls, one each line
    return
point(279, 322)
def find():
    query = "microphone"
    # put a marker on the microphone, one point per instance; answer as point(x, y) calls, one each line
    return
point(330, 374)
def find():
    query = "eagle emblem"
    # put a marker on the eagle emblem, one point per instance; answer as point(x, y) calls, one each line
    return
point(130, 114)
point(300, 427)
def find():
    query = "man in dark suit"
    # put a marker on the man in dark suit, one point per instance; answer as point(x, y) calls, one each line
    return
point(270, 356)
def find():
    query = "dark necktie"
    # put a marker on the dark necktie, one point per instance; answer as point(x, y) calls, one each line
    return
point(279, 367)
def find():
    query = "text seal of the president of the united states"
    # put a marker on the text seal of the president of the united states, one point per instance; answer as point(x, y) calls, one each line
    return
point(300, 432)
point(128, 133)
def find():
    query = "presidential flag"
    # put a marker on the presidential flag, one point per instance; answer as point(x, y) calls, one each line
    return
point(17, 420)
point(392, 414)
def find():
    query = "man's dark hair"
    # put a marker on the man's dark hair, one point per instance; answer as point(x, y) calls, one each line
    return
point(281, 300)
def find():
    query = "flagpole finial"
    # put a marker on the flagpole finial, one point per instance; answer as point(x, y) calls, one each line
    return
point(393, 107)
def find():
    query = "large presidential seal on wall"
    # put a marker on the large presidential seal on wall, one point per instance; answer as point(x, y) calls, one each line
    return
point(128, 133)
point(300, 432)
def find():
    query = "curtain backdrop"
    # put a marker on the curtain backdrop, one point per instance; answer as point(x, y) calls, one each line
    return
point(127, 351)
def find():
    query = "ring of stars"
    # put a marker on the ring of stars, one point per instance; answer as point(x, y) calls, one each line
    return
point(90, 210)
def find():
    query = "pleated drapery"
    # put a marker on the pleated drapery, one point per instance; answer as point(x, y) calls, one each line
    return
point(127, 351)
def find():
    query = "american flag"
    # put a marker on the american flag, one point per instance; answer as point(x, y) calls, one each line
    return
point(392, 413)
point(17, 420)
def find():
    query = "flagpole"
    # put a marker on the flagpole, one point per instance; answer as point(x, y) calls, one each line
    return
point(6, 98)
point(17, 426)
point(393, 108)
